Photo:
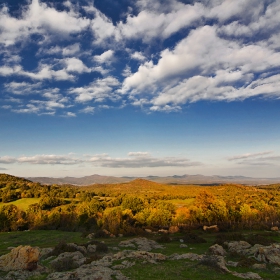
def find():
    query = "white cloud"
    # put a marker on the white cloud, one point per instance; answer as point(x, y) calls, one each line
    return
point(105, 57)
point(23, 88)
point(88, 110)
point(41, 19)
point(267, 158)
point(140, 160)
point(99, 90)
point(221, 63)
point(138, 56)
point(134, 160)
point(8, 71)
point(249, 155)
point(75, 65)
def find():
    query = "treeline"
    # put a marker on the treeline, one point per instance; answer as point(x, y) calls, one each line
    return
point(81, 209)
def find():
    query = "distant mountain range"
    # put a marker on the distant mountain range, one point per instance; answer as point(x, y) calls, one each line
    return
point(184, 179)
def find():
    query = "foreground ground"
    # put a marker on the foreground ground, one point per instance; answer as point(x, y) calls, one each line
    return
point(132, 260)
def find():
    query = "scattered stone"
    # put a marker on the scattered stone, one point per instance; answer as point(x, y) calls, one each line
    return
point(173, 229)
point(163, 231)
point(142, 243)
point(217, 250)
point(88, 272)
point(91, 249)
point(44, 252)
point(188, 256)
point(232, 264)
point(20, 258)
point(215, 261)
point(148, 230)
point(259, 266)
point(90, 236)
point(213, 228)
point(247, 275)
point(181, 240)
point(115, 248)
point(76, 247)
point(123, 265)
point(238, 246)
point(269, 254)
point(21, 275)
point(183, 246)
point(77, 257)
point(274, 229)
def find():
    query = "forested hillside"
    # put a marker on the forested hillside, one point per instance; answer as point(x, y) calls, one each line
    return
point(128, 208)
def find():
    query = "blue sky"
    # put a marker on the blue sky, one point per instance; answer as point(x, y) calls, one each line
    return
point(137, 88)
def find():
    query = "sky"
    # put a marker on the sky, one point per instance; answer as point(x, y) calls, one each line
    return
point(140, 87)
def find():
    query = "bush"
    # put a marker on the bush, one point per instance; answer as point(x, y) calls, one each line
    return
point(102, 248)
point(61, 248)
point(193, 238)
point(222, 238)
point(164, 239)
point(64, 264)
point(101, 234)
point(259, 239)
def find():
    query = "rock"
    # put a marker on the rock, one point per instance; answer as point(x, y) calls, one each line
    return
point(213, 228)
point(147, 256)
point(21, 275)
point(88, 272)
point(259, 266)
point(231, 263)
point(123, 265)
point(141, 243)
point(77, 257)
point(181, 240)
point(120, 235)
point(90, 236)
point(238, 246)
point(91, 249)
point(183, 246)
point(76, 247)
point(217, 250)
point(20, 258)
point(247, 275)
point(173, 229)
point(163, 231)
point(274, 229)
point(215, 261)
point(148, 230)
point(44, 252)
point(269, 254)
point(188, 256)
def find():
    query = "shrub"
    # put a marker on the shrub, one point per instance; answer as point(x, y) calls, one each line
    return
point(61, 247)
point(102, 248)
point(164, 239)
point(193, 238)
point(64, 264)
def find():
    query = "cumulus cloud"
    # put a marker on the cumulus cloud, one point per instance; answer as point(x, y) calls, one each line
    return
point(99, 90)
point(222, 65)
point(39, 18)
point(105, 57)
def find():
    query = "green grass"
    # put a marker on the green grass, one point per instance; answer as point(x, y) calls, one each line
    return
point(40, 238)
point(22, 203)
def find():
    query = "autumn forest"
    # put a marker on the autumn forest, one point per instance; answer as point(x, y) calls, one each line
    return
point(130, 208)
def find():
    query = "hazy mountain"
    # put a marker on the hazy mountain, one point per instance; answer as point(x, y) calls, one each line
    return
point(176, 179)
